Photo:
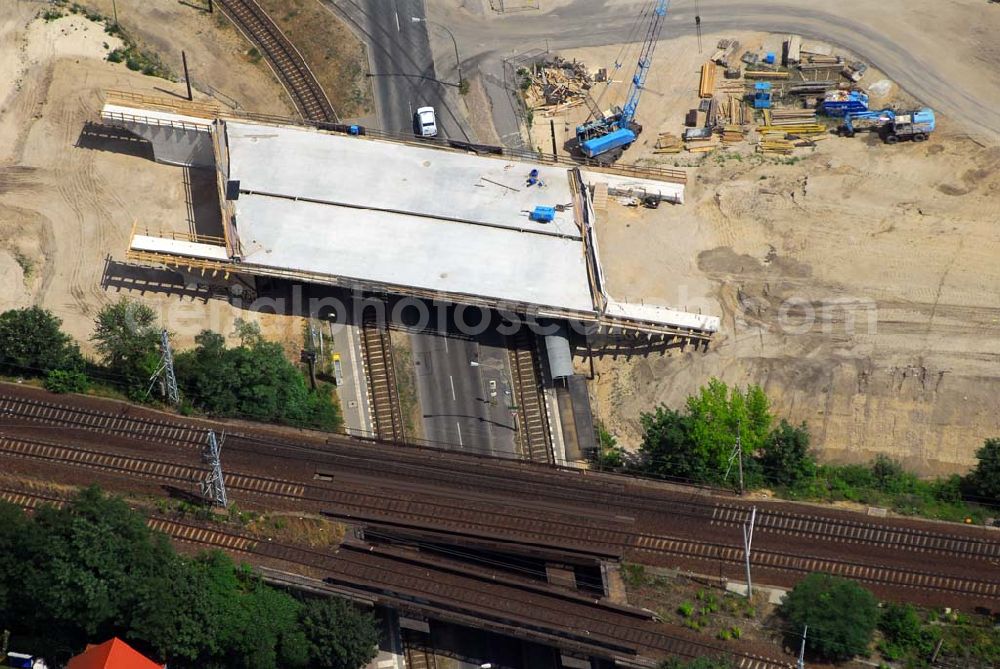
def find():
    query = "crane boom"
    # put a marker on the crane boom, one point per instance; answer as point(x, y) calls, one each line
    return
point(606, 138)
point(645, 60)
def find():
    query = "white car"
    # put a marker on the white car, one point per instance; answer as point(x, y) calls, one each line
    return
point(426, 122)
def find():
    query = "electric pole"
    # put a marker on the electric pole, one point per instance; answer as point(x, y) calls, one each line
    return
point(747, 541)
point(736, 454)
point(214, 487)
point(802, 649)
point(166, 370)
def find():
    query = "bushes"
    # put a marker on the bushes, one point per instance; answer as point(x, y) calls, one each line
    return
point(697, 444)
point(254, 380)
point(66, 381)
point(841, 615)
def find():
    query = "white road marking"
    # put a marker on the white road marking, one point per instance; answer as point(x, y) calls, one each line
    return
point(397, 22)
point(451, 380)
point(459, 426)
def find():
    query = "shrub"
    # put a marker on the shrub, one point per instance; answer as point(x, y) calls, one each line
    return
point(841, 615)
point(66, 381)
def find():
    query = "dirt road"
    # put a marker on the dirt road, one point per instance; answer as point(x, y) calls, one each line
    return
point(945, 55)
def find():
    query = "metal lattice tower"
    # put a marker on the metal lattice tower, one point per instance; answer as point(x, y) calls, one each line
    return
point(214, 487)
point(166, 369)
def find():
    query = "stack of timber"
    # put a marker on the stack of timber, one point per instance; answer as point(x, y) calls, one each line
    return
point(802, 129)
point(789, 117)
point(731, 134)
point(726, 52)
point(734, 110)
point(817, 87)
point(702, 144)
point(667, 142)
point(707, 85)
point(775, 143)
point(766, 74)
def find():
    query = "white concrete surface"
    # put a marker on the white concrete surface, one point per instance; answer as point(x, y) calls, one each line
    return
point(656, 314)
point(413, 251)
point(668, 191)
point(154, 117)
point(372, 174)
point(179, 247)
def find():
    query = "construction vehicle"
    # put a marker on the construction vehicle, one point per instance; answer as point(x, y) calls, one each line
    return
point(605, 138)
point(840, 103)
point(892, 125)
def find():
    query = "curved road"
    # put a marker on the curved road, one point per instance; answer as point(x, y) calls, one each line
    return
point(943, 53)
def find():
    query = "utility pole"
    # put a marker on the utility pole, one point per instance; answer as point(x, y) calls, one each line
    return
point(747, 541)
point(114, 9)
point(187, 77)
point(737, 454)
point(166, 369)
point(213, 488)
point(802, 649)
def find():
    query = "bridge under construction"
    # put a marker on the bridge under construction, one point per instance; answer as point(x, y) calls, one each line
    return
point(331, 204)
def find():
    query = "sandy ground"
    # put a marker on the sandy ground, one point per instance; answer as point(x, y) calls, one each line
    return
point(857, 282)
point(68, 199)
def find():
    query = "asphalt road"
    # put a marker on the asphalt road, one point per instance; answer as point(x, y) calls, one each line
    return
point(939, 66)
point(462, 386)
point(402, 65)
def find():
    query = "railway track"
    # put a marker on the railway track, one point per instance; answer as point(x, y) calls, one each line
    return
point(376, 346)
point(533, 435)
point(450, 591)
point(130, 467)
point(106, 422)
point(285, 60)
point(522, 504)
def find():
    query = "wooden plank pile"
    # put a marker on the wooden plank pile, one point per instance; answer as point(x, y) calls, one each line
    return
point(802, 129)
point(725, 53)
point(707, 84)
point(734, 110)
point(765, 74)
point(667, 142)
point(702, 144)
point(781, 116)
point(731, 134)
point(775, 143)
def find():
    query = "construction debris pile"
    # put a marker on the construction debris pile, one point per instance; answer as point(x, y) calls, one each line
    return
point(556, 85)
point(773, 102)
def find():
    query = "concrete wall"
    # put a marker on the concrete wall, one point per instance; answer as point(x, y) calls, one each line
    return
point(186, 147)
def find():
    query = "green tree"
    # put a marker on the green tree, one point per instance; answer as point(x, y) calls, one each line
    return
point(255, 381)
point(984, 480)
point(699, 444)
point(66, 381)
point(668, 448)
point(904, 633)
point(841, 615)
point(785, 458)
point(127, 337)
point(718, 413)
point(31, 342)
point(340, 636)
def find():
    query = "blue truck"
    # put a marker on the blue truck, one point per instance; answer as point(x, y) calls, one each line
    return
point(892, 125)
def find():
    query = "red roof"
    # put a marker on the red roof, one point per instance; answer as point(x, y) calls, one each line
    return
point(112, 654)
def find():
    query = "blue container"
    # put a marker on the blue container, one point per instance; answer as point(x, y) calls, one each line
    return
point(354, 130)
point(543, 214)
point(839, 105)
point(613, 140)
point(770, 58)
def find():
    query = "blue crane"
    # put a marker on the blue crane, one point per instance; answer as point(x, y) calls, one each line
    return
point(606, 138)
